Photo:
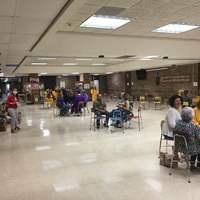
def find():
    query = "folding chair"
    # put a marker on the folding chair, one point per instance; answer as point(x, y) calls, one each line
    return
point(142, 101)
point(181, 146)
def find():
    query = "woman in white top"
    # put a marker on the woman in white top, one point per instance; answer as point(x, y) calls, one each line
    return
point(172, 116)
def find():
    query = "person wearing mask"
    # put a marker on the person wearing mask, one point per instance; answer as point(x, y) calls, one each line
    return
point(172, 116)
point(99, 108)
point(11, 103)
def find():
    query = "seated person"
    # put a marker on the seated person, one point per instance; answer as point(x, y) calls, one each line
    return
point(77, 103)
point(60, 103)
point(191, 132)
point(196, 118)
point(172, 116)
point(99, 108)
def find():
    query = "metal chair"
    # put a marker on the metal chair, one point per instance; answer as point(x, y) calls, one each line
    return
point(181, 146)
point(165, 138)
point(138, 118)
point(117, 120)
point(142, 101)
point(157, 102)
point(93, 119)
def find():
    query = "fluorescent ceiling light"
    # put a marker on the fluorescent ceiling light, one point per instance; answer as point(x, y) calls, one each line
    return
point(175, 28)
point(96, 74)
point(75, 73)
point(84, 59)
point(105, 22)
point(145, 59)
point(109, 72)
point(98, 64)
point(65, 74)
point(43, 73)
point(47, 58)
point(38, 63)
point(151, 57)
point(157, 69)
point(70, 64)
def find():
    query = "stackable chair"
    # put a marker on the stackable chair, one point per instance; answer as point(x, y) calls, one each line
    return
point(164, 139)
point(181, 146)
point(157, 102)
point(93, 119)
point(117, 120)
point(142, 101)
point(138, 118)
point(185, 103)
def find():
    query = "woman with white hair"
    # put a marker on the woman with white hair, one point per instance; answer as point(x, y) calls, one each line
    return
point(191, 132)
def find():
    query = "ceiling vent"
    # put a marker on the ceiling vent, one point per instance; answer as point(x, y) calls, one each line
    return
point(109, 11)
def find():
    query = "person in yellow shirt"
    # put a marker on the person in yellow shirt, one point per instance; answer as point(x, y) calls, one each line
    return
point(196, 118)
point(94, 94)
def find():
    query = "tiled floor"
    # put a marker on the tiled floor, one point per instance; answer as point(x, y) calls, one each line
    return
point(54, 158)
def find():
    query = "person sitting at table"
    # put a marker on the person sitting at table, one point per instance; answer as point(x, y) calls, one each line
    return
point(77, 102)
point(191, 132)
point(99, 108)
point(60, 103)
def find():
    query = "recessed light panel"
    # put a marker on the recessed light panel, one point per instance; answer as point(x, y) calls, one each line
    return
point(70, 64)
point(84, 59)
point(47, 58)
point(39, 63)
point(98, 64)
point(105, 22)
point(175, 28)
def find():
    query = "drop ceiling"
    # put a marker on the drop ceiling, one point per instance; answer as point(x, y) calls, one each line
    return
point(23, 23)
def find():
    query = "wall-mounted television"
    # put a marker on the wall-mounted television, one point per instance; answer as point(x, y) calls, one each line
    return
point(141, 74)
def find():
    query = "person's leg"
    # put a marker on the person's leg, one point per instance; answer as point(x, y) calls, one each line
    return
point(98, 115)
point(107, 118)
point(12, 114)
point(17, 119)
point(192, 161)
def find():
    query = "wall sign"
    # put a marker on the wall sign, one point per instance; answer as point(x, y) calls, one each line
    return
point(173, 79)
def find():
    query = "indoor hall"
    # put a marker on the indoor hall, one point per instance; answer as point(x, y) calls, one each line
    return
point(60, 158)
point(99, 99)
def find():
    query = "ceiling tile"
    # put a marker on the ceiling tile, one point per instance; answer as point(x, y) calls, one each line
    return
point(5, 24)
point(23, 39)
point(122, 4)
point(4, 38)
point(29, 26)
point(7, 7)
point(39, 9)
